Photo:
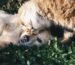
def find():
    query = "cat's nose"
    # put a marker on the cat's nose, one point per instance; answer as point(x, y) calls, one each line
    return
point(24, 39)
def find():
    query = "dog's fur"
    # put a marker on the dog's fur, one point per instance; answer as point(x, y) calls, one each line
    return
point(10, 29)
point(42, 14)
point(37, 40)
point(41, 20)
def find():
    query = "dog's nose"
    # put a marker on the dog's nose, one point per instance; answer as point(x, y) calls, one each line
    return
point(24, 39)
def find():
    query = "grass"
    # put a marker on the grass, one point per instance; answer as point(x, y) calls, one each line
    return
point(53, 53)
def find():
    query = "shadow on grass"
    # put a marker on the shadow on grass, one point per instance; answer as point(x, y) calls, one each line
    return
point(51, 54)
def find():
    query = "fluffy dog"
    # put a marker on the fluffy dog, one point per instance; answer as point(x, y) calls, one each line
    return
point(37, 22)
point(12, 31)
point(39, 15)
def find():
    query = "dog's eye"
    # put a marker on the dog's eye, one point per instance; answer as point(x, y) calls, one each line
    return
point(39, 40)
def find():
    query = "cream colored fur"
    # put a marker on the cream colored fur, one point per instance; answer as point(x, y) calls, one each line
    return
point(40, 14)
point(35, 16)
point(10, 30)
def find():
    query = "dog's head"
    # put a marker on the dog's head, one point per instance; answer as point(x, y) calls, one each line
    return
point(38, 39)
